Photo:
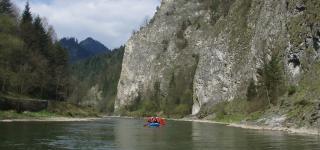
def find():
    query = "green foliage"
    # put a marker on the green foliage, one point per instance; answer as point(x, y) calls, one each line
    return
point(270, 87)
point(26, 26)
point(259, 96)
point(26, 115)
point(6, 7)
point(177, 99)
point(219, 110)
point(31, 63)
point(55, 109)
point(7, 24)
point(251, 91)
point(180, 97)
point(273, 79)
point(236, 111)
point(10, 46)
point(302, 106)
point(292, 90)
point(42, 44)
point(182, 110)
point(27, 16)
point(71, 110)
point(149, 106)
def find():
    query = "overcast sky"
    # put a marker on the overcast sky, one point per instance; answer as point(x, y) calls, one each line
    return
point(109, 21)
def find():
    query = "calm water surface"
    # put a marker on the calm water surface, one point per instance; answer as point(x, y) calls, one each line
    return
point(129, 134)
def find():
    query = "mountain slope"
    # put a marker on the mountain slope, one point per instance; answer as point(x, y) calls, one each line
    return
point(95, 47)
point(84, 49)
point(195, 55)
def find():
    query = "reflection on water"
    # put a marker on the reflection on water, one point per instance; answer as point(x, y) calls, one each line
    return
point(129, 134)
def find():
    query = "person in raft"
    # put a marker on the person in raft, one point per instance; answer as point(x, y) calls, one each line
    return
point(159, 120)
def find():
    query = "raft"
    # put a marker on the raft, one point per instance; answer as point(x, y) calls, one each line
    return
point(153, 125)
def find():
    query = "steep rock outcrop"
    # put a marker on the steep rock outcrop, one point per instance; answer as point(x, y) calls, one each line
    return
point(215, 47)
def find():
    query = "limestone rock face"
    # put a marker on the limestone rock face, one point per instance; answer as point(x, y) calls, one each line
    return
point(215, 47)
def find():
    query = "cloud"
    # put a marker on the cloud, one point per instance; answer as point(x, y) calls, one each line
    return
point(109, 21)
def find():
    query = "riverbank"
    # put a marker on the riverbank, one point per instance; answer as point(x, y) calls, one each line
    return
point(285, 129)
point(45, 116)
point(51, 119)
point(243, 125)
point(15, 107)
point(257, 127)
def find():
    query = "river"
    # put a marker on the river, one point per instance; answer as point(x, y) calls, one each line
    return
point(129, 134)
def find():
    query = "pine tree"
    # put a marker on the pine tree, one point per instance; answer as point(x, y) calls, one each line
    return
point(273, 78)
point(59, 68)
point(26, 27)
point(25, 68)
point(27, 16)
point(6, 7)
point(42, 41)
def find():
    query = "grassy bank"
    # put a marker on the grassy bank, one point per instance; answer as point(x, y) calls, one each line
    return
point(26, 115)
point(70, 110)
point(54, 110)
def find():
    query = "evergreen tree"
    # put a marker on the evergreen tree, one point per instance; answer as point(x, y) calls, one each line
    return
point(26, 26)
point(59, 69)
point(6, 7)
point(8, 24)
point(273, 78)
point(42, 42)
point(27, 16)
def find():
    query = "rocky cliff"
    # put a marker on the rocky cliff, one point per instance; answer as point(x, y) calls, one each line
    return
point(203, 52)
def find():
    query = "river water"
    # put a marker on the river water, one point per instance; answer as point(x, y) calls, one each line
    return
point(129, 134)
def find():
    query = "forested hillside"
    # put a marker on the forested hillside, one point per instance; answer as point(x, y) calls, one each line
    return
point(32, 63)
point(95, 80)
point(84, 49)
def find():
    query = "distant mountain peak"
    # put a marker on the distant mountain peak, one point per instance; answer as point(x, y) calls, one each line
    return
point(83, 49)
point(90, 39)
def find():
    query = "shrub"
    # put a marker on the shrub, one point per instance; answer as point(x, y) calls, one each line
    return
point(251, 91)
point(292, 90)
point(219, 110)
point(182, 109)
point(149, 106)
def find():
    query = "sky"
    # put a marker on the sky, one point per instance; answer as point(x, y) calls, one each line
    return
point(108, 21)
